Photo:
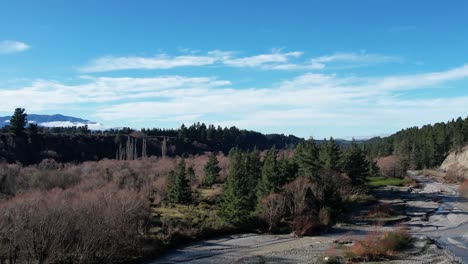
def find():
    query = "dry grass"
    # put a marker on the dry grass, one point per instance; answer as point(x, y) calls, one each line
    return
point(381, 211)
point(463, 189)
point(377, 245)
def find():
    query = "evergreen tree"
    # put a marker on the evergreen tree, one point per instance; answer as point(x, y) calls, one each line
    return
point(307, 159)
point(253, 167)
point(18, 121)
point(212, 170)
point(269, 181)
point(180, 191)
point(330, 155)
point(287, 169)
point(234, 207)
point(191, 175)
point(355, 164)
point(33, 129)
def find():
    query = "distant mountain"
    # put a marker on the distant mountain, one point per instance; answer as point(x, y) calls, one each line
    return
point(56, 121)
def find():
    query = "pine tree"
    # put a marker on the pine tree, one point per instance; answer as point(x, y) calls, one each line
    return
point(269, 181)
point(253, 167)
point(234, 207)
point(307, 159)
point(287, 169)
point(355, 165)
point(212, 170)
point(180, 191)
point(191, 175)
point(330, 155)
point(18, 121)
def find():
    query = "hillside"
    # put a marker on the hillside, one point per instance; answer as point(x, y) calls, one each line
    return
point(56, 120)
point(456, 161)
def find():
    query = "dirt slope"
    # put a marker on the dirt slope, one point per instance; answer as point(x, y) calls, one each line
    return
point(456, 161)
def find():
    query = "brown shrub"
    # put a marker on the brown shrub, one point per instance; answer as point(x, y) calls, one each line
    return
point(377, 245)
point(306, 225)
point(73, 226)
point(325, 217)
point(381, 211)
point(463, 189)
point(391, 167)
point(296, 194)
point(272, 209)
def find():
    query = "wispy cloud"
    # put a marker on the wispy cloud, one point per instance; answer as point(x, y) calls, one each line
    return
point(275, 60)
point(311, 99)
point(354, 59)
point(10, 46)
point(263, 60)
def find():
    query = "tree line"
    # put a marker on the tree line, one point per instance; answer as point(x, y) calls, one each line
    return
point(424, 147)
point(24, 142)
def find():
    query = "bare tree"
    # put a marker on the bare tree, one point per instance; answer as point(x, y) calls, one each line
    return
point(273, 208)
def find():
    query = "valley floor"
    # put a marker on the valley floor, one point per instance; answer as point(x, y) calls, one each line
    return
point(437, 218)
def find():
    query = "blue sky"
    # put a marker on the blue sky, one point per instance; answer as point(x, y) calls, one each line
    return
point(309, 68)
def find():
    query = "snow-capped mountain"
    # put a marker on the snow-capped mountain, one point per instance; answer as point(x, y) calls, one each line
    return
point(56, 121)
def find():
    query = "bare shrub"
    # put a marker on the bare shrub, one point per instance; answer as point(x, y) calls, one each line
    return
point(329, 187)
point(8, 178)
point(73, 226)
point(377, 244)
point(306, 225)
point(297, 194)
point(381, 211)
point(272, 209)
point(463, 189)
point(388, 166)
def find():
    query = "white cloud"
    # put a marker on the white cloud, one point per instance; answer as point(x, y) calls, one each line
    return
point(10, 46)
point(354, 59)
point(275, 60)
point(44, 94)
point(160, 62)
point(263, 60)
point(309, 100)
point(163, 61)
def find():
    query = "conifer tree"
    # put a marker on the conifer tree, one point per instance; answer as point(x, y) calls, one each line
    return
point(253, 167)
point(180, 191)
point(269, 181)
point(18, 121)
point(234, 207)
point(191, 175)
point(355, 164)
point(307, 159)
point(330, 155)
point(287, 169)
point(212, 170)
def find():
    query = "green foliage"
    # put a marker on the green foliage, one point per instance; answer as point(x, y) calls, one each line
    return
point(378, 181)
point(424, 147)
point(270, 180)
point(191, 175)
point(307, 159)
point(212, 170)
point(18, 121)
point(355, 164)
point(330, 155)
point(234, 207)
point(287, 169)
point(179, 191)
point(253, 168)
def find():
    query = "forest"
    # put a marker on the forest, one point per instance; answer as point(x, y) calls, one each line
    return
point(133, 205)
point(424, 147)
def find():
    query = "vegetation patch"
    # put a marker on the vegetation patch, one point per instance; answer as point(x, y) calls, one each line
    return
point(377, 245)
point(379, 181)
